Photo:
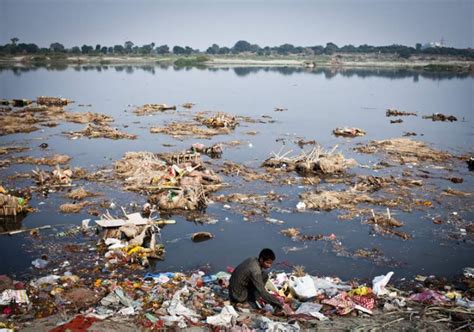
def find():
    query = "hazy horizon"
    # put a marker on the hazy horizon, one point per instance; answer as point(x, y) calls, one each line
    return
point(199, 24)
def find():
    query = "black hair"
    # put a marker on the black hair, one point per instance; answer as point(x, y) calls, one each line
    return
point(266, 254)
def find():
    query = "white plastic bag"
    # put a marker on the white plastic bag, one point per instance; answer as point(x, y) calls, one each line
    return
point(303, 287)
point(379, 283)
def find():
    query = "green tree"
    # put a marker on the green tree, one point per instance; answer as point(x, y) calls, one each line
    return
point(76, 50)
point(224, 50)
point(331, 48)
point(418, 46)
point(97, 48)
point(163, 49)
point(128, 46)
point(285, 49)
point(119, 49)
point(14, 40)
point(214, 49)
point(179, 50)
point(241, 46)
point(57, 47)
point(86, 49)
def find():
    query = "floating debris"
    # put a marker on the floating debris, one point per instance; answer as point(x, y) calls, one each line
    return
point(394, 112)
point(80, 193)
point(330, 200)
point(148, 109)
point(100, 131)
point(73, 208)
point(52, 101)
point(405, 150)
point(348, 132)
point(220, 120)
point(440, 117)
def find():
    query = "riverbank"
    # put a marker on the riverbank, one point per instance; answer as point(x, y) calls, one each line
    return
point(429, 63)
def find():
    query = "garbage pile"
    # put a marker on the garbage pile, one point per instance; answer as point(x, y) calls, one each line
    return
point(316, 161)
point(148, 109)
point(26, 116)
point(177, 300)
point(173, 181)
point(405, 150)
point(52, 101)
point(181, 130)
point(100, 131)
point(348, 132)
point(11, 205)
point(395, 112)
point(222, 121)
point(440, 117)
point(131, 239)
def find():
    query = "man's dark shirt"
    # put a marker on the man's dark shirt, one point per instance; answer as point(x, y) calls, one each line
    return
point(248, 278)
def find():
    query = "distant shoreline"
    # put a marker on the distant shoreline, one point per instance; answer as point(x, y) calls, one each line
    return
point(432, 63)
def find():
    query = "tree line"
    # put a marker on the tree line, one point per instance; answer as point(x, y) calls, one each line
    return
point(240, 47)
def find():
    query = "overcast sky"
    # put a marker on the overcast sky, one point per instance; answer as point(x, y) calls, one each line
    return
point(268, 23)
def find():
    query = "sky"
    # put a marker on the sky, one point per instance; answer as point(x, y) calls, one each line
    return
point(199, 24)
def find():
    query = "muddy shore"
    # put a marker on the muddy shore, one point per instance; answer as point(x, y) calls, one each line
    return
point(428, 63)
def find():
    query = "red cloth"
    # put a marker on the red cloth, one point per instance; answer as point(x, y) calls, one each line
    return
point(80, 323)
point(366, 301)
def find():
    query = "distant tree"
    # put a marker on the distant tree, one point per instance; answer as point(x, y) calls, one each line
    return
point(110, 50)
point(267, 51)
point(349, 49)
point(318, 49)
point(418, 46)
point(179, 50)
point(163, 49)
point(146, 49)
point(14, 40)
point(86, 49)
point(97, 48)
point(128, 46)
point(57, 47)
point(331, 48)
point(241, 46)
point(285, 49)
point(224, 50)
point(188, 50)
point(103, 50)
point(405, 52)
point(28, 48)
point(119, 49)
point(76, 50)
point(214, 49)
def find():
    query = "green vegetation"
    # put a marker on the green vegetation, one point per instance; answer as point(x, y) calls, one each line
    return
point(444, 67)
point(241, 47)
point(192, 61)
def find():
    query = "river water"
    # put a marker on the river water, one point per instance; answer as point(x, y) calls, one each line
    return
point(317, 101)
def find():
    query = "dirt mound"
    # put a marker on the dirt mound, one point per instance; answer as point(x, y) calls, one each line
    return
point(405, 150)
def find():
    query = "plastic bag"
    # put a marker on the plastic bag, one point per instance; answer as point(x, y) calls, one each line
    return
point(303, 287)
point(379, 283)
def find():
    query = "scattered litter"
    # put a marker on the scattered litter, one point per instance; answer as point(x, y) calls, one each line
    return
point(348, 132)
point(440, 117)
point(394, 112)
point(201, 236)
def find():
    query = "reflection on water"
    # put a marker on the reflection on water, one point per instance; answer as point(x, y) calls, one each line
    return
point(392, 73)
point(11, 223)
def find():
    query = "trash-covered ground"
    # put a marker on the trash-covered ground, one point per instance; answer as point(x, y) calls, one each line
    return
point(177, 182)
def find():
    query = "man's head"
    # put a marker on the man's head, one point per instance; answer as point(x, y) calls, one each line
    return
point(266, 258)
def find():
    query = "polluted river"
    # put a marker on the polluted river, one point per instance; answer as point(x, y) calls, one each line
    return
point(349, 173)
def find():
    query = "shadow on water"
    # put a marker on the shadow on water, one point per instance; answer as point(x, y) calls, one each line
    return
point(328, 73)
